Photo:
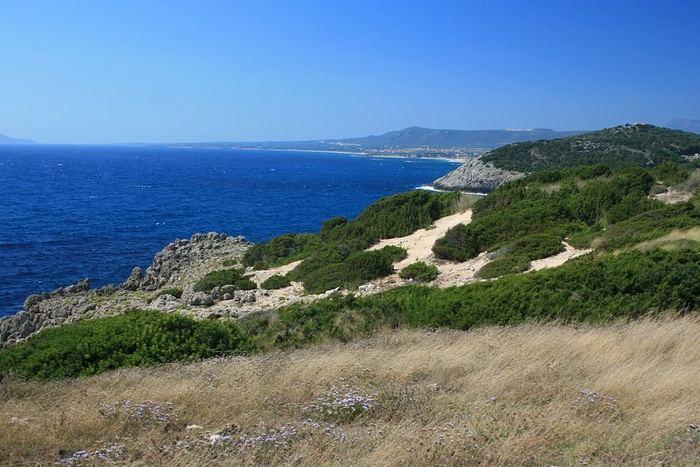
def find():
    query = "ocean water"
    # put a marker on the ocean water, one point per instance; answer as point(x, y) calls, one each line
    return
point(75, 212)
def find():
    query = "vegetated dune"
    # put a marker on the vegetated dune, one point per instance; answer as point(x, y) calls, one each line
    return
point(419, 248)
point(622, 394)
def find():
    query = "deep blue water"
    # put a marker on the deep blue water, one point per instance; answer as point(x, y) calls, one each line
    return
point(74, 212)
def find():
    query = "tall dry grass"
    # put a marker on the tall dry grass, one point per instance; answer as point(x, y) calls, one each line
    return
point(626, 394)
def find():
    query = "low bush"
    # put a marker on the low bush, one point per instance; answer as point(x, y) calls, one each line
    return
point(233, 276)
point(459, 244)
point(276, 282)
point(671, 173)
point(579, 203)
point(174, 291)
point(281, 250)
point(137, 338)
point(588, 289)
point(419, 272)
point(510, 264)
point(536, 246)
point(320, 276)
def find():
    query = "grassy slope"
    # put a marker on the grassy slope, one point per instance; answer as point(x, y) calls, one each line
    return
point(624, 394)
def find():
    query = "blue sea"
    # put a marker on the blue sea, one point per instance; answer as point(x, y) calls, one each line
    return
point(74, 212)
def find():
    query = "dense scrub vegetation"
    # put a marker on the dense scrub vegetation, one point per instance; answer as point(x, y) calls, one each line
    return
point(589, 289)
point(327, 270)
point(638, 144)
point(335, 257)
point(528, 219)
point(281, 250)
point(134, 339)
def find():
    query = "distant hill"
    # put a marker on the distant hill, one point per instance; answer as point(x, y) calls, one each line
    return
point(637, 144)
point(415, 137)
point(7, 140)
point(411, 138)
point(684, 124)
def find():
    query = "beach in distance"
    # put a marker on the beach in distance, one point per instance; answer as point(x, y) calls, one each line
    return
point(75, 212)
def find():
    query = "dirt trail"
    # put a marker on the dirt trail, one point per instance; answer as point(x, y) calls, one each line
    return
point(419, 247)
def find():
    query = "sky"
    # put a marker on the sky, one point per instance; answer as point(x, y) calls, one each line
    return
point(116, 71)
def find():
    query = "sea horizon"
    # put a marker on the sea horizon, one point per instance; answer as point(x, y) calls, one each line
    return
point(79, 211)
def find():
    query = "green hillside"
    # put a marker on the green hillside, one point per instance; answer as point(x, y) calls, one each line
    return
point(637, 144)
point(645, 262)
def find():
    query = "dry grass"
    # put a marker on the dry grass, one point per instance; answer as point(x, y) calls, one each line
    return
point(692, 183)
point(530, 395)
point(675, 239)
point(464, 202)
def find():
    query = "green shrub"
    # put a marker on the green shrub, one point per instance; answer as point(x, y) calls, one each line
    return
point(460, 243)
point(657, 190)
point(578, 203)
point(671, 173)
point(394, 253)
point(138, 338)
point(326, 277)
point(536, 246)
point(330, 225)
point(233, 276)
point(396, 216)
point(174, 291)
point(276, 282)
point(510, 264)
point(245, 284)
point(649, 225)
point(630, 206)
point(281, 250)
point(692, 184)
point(368, 265)
point(420, 272)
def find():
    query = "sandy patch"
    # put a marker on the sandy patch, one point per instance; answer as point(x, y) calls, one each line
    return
point(558, 260)
point(419, 247)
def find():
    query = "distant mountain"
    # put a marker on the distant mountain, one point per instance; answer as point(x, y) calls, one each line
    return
point(685, 124)
point(7, 140)
point(416, 137)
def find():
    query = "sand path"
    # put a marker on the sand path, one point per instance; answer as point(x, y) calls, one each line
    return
point(419, 247)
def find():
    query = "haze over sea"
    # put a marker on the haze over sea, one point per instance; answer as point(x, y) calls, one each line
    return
point(75, 212)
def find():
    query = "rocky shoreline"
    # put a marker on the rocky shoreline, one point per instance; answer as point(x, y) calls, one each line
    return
point(475, 176)
point(178, 265)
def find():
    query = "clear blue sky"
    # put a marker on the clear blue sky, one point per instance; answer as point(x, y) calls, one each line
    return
point(104, 71)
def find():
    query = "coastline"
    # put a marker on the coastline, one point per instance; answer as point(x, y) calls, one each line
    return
point(451, 155)
point(97, 211)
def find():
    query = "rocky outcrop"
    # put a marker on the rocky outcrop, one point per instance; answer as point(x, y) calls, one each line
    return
point(475, 176)
point(48, 310)
point(179, 264)
point(134, 281)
